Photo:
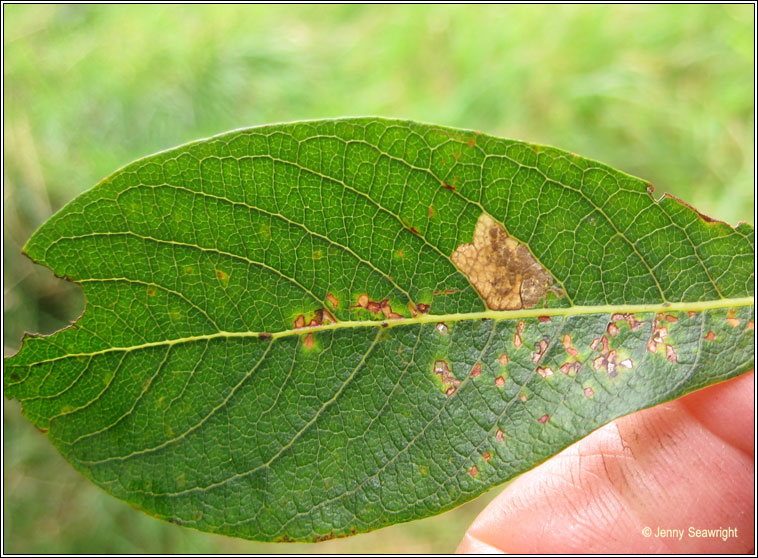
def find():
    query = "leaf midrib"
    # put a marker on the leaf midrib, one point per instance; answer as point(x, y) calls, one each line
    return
point(497, 315)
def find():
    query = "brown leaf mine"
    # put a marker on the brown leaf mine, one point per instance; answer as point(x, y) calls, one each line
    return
point(503, 271)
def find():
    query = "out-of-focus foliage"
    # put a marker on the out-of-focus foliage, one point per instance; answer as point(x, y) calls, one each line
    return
point(663, 92)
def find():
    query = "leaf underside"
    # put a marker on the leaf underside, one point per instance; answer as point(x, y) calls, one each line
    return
point(194, 389)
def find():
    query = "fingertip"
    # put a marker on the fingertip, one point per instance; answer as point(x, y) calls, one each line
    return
point(471, 545)
point(727, 410)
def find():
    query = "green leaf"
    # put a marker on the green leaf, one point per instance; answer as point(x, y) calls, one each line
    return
point(476, 305)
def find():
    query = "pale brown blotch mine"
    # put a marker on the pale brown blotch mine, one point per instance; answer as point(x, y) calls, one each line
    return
point(503, 271)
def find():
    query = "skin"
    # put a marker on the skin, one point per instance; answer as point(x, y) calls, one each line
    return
point(687, 463)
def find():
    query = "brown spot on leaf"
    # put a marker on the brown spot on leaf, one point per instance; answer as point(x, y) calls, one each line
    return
point(423, 308)
point(308, 341)
point(691, 314)
point(325, 316)
point(221, 275)
point(545, 372)
point(500, 381)
point(385, 307)
point(265, 336)
point(670, 318)
point(670, 354)
point(627, 363)
point(659, 333)
point(710, 336)
point(544, 319)
point(567, 345)
point(612, 329)
point(522, 397)
point(431, 211)
point(652, 347)
point(320, 538)
point(543, 419)
point(633, 323)
point(441, 328)
point(734, 322)
point(150, 291)
point(413, 230)
point(331, 299)
point(473, 471)
point(299, 321)
point(594, 344)
point(500, 436)
point(610, 366)
point(476, 370)
point(486, 456)
point(589, 392)
point(375, 307)
point(749, 325)
point(539, 350)
point(447, 378)
point(629, 318)
point(503, 359)
point(450, 391)
point(503, 271)
point(517, 341)
point(448, 186)
point(606, 361)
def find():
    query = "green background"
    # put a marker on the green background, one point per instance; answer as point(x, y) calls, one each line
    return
point(665, 93)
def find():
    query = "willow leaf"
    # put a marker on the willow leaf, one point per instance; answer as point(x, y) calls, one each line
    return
point(311, 330)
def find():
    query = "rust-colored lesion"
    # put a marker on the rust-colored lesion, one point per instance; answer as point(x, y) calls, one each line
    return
point(449, 382)
point(503, 271)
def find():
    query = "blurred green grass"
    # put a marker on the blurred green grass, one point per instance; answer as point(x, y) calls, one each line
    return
point(662, 92)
